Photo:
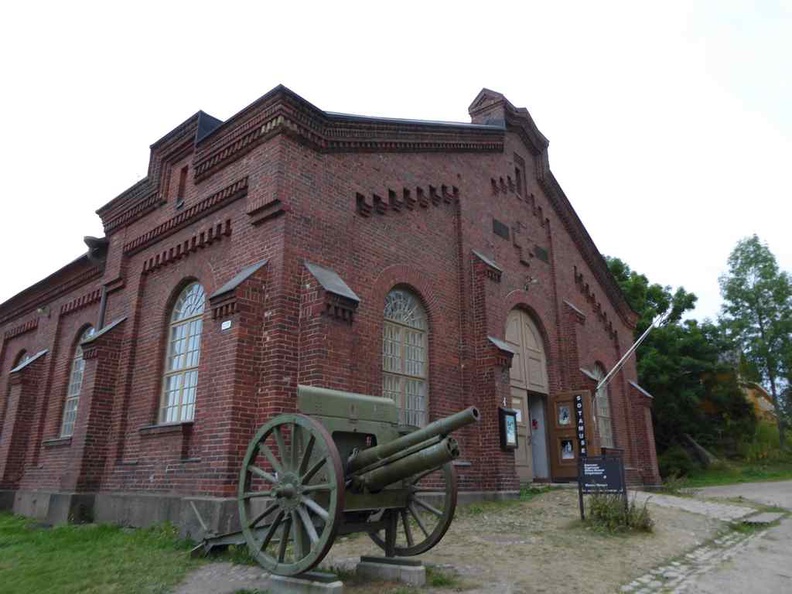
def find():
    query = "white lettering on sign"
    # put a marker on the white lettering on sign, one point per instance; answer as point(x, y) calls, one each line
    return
point(226, 325)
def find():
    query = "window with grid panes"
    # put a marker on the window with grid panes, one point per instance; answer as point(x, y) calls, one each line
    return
point(180, 382)
point(404, 356)
point(603, 411)
point(75, 385)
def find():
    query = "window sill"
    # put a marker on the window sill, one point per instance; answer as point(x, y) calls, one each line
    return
point(184, 429)
point(57, 442)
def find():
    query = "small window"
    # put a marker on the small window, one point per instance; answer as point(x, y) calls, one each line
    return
point(404, 360)
point(182, 187)
point(518, 180)
point(519, 174)
point(184, 350)
point(75, 385)
point(602, 411)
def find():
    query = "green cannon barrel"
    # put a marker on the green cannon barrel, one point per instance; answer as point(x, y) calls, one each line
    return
point(426, 459)
point(440, 427)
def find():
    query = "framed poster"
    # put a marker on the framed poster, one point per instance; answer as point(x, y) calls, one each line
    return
point(567, 449)
point(564, 415)
point(508, 428)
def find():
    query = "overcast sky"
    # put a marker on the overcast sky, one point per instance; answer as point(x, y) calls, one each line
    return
point(670, 127)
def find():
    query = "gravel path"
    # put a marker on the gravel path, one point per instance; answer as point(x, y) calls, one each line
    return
point(719, 511)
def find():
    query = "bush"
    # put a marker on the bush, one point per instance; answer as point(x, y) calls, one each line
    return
point(676, 462)
point(607, 513)
point(764, 445)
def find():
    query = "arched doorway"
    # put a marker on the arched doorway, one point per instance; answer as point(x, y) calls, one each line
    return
point(529, 390)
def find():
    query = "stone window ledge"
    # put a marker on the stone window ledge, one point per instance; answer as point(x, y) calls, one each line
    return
point(57, 442)
point(184, 429)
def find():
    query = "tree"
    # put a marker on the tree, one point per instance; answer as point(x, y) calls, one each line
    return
point(757, 313)
point(682, 364)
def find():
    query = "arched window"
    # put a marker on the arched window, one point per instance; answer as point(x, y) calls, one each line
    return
point(75, 385)
point(184, 351)
point(404, 347)
point(602, 411)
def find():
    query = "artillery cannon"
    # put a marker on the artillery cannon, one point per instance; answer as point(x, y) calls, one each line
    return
point(342, 465)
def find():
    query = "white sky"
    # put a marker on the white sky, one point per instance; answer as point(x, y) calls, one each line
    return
point(670, 124)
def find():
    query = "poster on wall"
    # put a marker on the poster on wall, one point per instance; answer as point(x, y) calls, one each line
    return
point(508, 428)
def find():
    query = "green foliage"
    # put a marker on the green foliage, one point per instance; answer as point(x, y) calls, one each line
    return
point(238, 555)
point(675, 462)
point(740, 472)
point(682, 365)
point(675, 485)
point(89, 558)
point(764, 446)
point(531, 492)
point(607, 513)
point(757, 314)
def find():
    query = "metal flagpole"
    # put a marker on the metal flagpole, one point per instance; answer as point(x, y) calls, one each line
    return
point(657, 322)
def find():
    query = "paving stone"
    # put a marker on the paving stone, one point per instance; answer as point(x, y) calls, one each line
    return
point(763, 518)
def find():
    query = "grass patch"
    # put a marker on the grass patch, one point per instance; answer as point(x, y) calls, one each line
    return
point(739, 472)
point(607, 513)
point(90, 558)
point(236, 554)
point(529, 492)
point(440, 578)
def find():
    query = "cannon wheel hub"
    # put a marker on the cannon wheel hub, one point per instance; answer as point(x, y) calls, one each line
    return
point(291, 494)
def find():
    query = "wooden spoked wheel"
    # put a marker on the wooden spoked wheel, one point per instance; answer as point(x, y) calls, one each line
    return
point(430, 509)
point(291, 494)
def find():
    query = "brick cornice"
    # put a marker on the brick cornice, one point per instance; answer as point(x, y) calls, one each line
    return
point(51, 290)
point(282, 111)
point(206, 206)
point(31, 324)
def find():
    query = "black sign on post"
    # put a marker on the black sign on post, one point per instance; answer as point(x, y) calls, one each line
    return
point(601, 474)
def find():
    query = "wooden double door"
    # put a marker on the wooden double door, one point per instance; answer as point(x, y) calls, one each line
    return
point(547, 428)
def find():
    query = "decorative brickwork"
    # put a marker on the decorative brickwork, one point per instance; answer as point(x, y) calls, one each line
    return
point(200, 210)
point(81, 302)
point(21, 329)
point(421, 197)
point(188, 246)
point(599, 311)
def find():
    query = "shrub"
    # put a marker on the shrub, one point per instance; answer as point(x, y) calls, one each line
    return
point(676, 462)
point(607, 513)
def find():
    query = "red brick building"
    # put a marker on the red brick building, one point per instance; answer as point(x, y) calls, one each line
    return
point(436, 263)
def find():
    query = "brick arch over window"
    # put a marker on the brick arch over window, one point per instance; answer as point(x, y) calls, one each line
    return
point(183, 351)
point(74, 386)
point(603, 416)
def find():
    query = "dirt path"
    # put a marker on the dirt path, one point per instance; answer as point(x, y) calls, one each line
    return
point(540, 546)
point(510, 547)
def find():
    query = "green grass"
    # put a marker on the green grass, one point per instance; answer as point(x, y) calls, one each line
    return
point(531, 492)
point(608, 514)
point(89, 558)
point(739, 472)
